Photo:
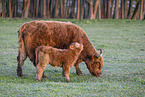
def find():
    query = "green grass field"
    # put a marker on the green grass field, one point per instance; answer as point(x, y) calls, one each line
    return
point(123, 42)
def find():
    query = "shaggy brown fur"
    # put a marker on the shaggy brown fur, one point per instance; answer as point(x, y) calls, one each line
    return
point(64, 58)
point(58, 35)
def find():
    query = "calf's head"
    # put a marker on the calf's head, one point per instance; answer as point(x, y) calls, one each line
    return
point(76, 46)
point(95, 64)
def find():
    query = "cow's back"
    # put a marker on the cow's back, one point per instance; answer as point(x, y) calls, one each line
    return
point(49, 33)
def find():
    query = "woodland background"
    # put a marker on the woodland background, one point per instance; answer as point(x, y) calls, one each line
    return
point(73, 9)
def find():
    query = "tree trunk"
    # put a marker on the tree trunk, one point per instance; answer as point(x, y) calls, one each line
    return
point(122, 9)
point(48, 10)
point(135, 10)
point(144, 9)
point(15, 9)
point(34, 8)
point(3, 8)
point(27, 9)
point(73, 8)
point(91, 8)
point(37, 10)
point(82, 9)
point(112, 7)
point(116, 9)
point(99, 16)
point(44, 9)
point(57, 8)
point(62, 9)
point(108, 8)
point(126, 8)
point(0, 8)
point(78, 10)
point(141, 10)
point(7, 9)
point(24, 7)
point(95, 9)
point(130, 9)
point(10, 9)
point(105, 9)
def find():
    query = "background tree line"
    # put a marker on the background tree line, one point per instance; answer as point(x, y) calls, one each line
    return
point(74, 9)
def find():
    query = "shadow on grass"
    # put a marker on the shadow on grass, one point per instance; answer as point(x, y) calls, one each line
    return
point(55, 75)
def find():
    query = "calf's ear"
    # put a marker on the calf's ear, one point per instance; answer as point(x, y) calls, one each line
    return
point(77, 45)
point(71, 47)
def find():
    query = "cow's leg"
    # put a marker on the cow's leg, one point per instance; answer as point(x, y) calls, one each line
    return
point(20, 59)
point(39, 70)
point(78, 71)
point(66, 72)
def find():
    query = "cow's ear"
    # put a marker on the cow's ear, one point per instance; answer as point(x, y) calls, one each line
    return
point(93, 57)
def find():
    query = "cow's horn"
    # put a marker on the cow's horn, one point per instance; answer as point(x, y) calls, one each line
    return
point(101, 52)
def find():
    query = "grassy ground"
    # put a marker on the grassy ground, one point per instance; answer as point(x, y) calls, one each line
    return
point(123, 42)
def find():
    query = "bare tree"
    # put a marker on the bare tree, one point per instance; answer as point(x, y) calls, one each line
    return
point(116, 9)
point(10, 9)
point(95, 9)
point(141, 10)
point(104, 8)
point(112, 3)
point(3, 8)
point(91, 8)
point(122, 9)
point(108, 8)
point(56, 8)
point(62, 8)
point(44, 9)
point(27, 9)
point(78, 9)
point(82, 9)
point(48, 10)
point(136, 9)
point(0, 8)
point(126, 9)
point(34, 8)
point(93, 14)
point(37, 8)
point(130, 9)
point(99, 13)
point(72, 14)
point(15, 8)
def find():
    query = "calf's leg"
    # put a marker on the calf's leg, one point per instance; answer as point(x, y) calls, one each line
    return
point(39, 70)
point(66, 72)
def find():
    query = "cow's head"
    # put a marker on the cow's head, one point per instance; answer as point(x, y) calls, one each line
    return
point(95, 64)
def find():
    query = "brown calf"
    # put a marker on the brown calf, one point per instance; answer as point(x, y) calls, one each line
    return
point(64, 58)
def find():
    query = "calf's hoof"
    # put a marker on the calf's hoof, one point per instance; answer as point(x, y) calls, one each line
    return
point(68, 81)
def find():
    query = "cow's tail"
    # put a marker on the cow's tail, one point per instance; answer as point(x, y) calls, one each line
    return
point(20, 36)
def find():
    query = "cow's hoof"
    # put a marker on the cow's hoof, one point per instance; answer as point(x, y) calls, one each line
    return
point(20, 75)
point(44, 76)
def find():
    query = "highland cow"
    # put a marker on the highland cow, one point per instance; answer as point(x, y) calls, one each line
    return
point(58, 35)
point(64, 58)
